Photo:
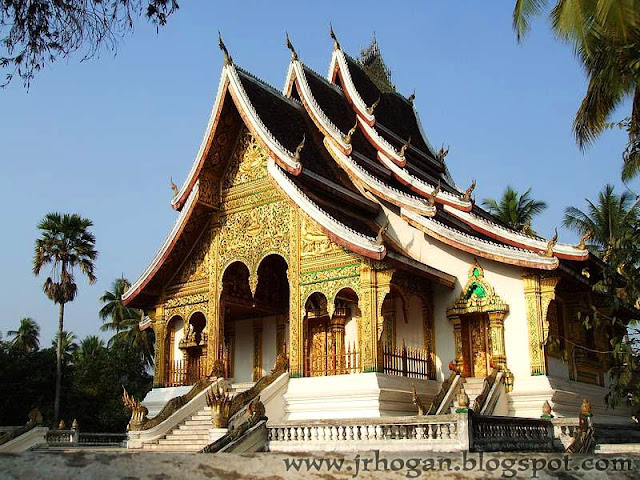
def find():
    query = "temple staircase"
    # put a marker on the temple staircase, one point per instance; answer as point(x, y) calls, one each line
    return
point(192, 435)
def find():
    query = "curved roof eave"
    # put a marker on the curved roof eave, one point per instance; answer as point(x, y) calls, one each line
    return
point(476, 246)
point(377, 186)
point(517, 239)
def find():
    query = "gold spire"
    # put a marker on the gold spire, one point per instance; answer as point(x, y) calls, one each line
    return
point(347, 137)
point(227, 57)
point(372, 108)
point(296, 155)
point(404, 147)
point(336, 43)
point(294, 55)
point(467, 194)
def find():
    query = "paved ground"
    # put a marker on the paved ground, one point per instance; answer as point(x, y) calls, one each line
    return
point(109, 464)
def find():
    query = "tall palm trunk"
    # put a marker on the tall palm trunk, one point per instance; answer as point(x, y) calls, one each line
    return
point(56, 402)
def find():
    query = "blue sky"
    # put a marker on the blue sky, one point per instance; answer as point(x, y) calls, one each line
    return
point(103, 137)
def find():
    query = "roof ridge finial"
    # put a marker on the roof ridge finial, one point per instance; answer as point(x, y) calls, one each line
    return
point(227, 58)
point(336, 43)
point(551, 244)
point(434, 195)
point(403, 150)
point(467, 194)
point(296, 155)
point(347, 137)
point(412, 97)
point(294, 55)
point(372, 108)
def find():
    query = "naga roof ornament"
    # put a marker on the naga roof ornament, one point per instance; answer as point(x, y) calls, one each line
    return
point(294, 55)
point(336, 43)
point(227, 58)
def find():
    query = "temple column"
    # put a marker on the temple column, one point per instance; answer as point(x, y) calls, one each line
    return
point(496, 339)
point(257, 349)
point(538, 293)
point(374, 286)
point(457, 338)
point(280, 337)
point(159, 354)
point(337, 332)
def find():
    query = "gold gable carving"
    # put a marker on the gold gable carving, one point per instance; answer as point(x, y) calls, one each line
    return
point(314, 242)
point(478, 296)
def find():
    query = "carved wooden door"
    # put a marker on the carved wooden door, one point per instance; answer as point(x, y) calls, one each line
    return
point(321, 349)
point(475, 351)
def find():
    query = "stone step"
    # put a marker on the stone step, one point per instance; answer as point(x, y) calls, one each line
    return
point(187, 443)
point(618, 448)
point(175, 448)
point(190, 437)
point(197, 423)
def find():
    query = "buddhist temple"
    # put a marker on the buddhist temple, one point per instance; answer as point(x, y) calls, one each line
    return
point(318, 224)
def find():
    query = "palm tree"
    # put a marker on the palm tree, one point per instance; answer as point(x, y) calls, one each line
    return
point(26, 337)
point(515, 210)
point(65, 243)
point(90, 348)
point(115, 309)
point(68, 345)
point(609, 219)
point(125, 321)
point(605, 35)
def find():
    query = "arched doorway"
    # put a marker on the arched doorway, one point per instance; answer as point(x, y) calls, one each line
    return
point(254, 321)
point(173, 354)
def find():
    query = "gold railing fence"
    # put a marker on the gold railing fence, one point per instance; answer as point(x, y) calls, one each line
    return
point(185, 372)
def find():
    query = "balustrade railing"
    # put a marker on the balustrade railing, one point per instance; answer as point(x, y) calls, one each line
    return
point(185, 372)
point(438, 433)
point(407, 362)
point(509, 434)
point(333, 363)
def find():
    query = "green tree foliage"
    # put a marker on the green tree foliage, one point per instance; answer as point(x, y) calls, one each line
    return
point(605, 34)
point(92, 384)
point(26, 338)
point(125, 321)
point(515, 210)
point(609, 220)
point(69, 346)
point(34, 33)
point(65, 243)
point(614, 223)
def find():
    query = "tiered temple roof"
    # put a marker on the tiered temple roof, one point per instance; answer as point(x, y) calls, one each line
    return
point(340, 149)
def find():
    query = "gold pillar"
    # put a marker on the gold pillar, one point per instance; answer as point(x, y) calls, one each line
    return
point(337, 332)
point(280, 338)
point(538, 293)
point(257, 349)
point(457, 338)
point(159, 353)
point(496, 340)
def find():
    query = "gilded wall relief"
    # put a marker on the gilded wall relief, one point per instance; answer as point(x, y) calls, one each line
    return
point(314, 242)
point(196, 267)
point(248, 163)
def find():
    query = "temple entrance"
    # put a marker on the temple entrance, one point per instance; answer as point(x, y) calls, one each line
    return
point(475, 346)
point(254, 320)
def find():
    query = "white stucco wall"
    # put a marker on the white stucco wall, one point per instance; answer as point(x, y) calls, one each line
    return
point(409, 329)
point(506, 279)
